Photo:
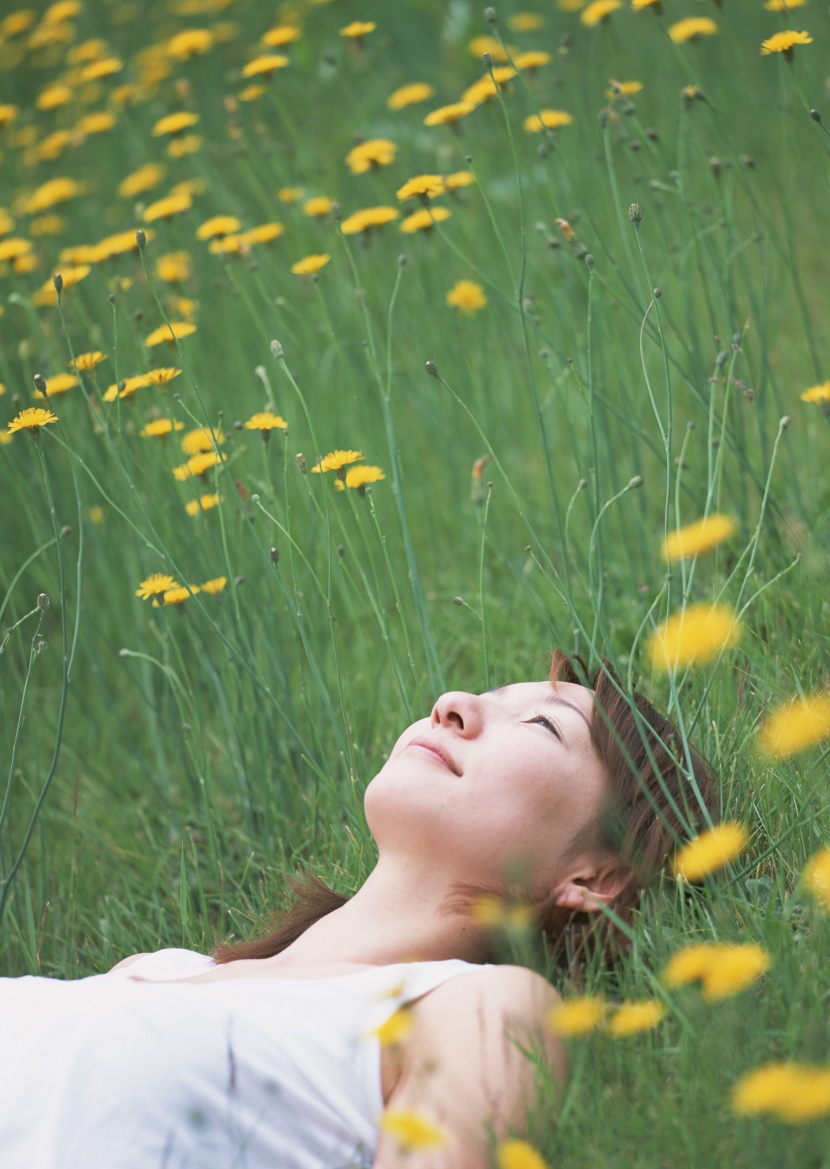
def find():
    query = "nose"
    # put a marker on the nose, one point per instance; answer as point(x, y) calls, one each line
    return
point(459, 712)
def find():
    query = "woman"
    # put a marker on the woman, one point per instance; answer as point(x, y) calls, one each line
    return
point(279, 1053)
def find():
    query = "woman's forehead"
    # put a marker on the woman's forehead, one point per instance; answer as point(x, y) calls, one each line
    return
point(543, 691)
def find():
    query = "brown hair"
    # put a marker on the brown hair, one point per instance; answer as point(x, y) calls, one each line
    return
point(660, 791)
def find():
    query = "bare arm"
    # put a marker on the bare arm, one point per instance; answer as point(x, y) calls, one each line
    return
point(463, 1068)
point(126, 962)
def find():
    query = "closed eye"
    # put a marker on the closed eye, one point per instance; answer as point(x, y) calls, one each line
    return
point(541, 718)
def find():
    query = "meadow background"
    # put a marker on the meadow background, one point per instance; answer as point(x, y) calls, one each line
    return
point(648, 306)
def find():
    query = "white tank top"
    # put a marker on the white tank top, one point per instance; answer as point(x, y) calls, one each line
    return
point(244, 1073)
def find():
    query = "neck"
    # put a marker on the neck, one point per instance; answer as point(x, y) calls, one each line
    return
point(398, 915)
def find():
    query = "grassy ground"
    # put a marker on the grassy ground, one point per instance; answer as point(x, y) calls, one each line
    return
point(651, 278)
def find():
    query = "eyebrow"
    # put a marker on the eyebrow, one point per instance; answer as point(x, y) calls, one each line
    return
point(548, 700)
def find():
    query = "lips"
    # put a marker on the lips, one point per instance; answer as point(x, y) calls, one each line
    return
point(439, 753)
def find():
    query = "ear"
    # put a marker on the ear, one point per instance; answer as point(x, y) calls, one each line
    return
point(591, 884)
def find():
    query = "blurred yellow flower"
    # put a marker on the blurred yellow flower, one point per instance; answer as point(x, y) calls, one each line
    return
point(103, 68)
point(214, 586)
point(162, 376)
point(785, 42)
point(816, 877)
point(52, 192)
point(710, 851)
point(336, 460)
point(201, 439)
point(48, 294)
point(190, 42)
point(8, 114)
point(175, 330)
point(796, 725)
point(411, 1129)
point(266, 420)
point(630, 1018)
point(281, 34)
point(265, 65)
point(517, 1154)
point(817, 394)
point(358, 478)
point(218, 225)
point(13, 247)
point(141, 180)
point(697, 537)
point(318, 206)
point(160, 428)
point(576, 1016)
point(491, 910)
point(422, 186)
point(168, 207)
point(175, 123)
point(59, 384)
point(53, 97)
point(691, 28)
point(358, 29)
point(96, 514)
point(179, 594)
point(95, 123)
point(310, 264)
point(87, 361)
point(467, 296)
point(623, 88)
point(187, 144)
point(60, 11)
point(783, 5)
point(530, 60)
point(127, 387)
point(722, 968)
point(409, 95)
point(478, 46)
point(424, 219)
point(459, 179)
point(638, 5)
point(31, 419)
point(262, 234)
point(599, 11)
point(449, 115)
point(198, 464)
point(396, 1028)
point(487, 87)
point(155, 585)
point(792, 1092)
point(252, 92)
point(693, 636)
point(363, 220)
point(525, 22)
point(367, 155)
point(205, 502)
point(547, 120)
point(47, 225)
point(292, 194)
point(173, 267)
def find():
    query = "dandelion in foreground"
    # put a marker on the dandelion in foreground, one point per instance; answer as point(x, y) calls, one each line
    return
point(396, 1028)
point(424, 219)
point(693, 636)
point(636, 1016)
point(547, 120)
point(359, 478)
point(496, 912)
point(467, 297)
point(819, 394)
point(517, 1154)
point(423, 186)
point(31, 419)
point(816, 878)
point(169, 333)
point(710, 851)
point(792, 1092)
point(162, 376)
point(218, 225)
point(87, 361)
point(265, 422)
point(358, 29)
point(369, 155)
point(318, 206)
point(215, 586)
point(409, 95)
point(59, 384)
point(310, 264)
point(598, 12)
point(796, 725)
point(336, 461)
point(281, 34)
point(265, 65)
point(179, 594)
point(576, 1016)
point(412, 1130)
point(449, 115)
point(697, 537)
point(785, 42)
point(691, 28)
point(723, 969)
point(155, 586)
point(362, 221)
point(532, 59)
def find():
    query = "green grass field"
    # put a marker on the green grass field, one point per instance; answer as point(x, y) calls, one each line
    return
point(644, 314)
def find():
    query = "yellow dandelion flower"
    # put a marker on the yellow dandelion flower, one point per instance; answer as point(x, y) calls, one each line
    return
point(162, 376)
point(50, 193)
point(623, 88)
point(639, 5)
point(17, 22)
point(206, 502)
point(532, 59)
point(31, 419)
point(517, 1154)
point(60, 11)
point(160, 428)
point(95, 123)
point(598, 12)
point(336, 460)
point(174, 267)
point(265, 65)
point(87, 51)
point(467, 296)
point(691, 28)
point(291, 194)
point(190, 42)
point(490, 910)
point(397, 1027)
point(631, 1018)
point(252, 92)
point(367, 155)
point(358, 29)
point(818, 394)
point(525, 22)
point(409, 95)
point(225, 245)
point(59, 384)
point(449, 115)
point(281, 34)
point(690, 964)
point(174, 331)
point(547, 120)
point(710, 851)
point(175, 123)
point(318, 206)
point(700, 536)
point(423, 186)
point(310, 264)
point(126, 388)
point(733, 969)
point(412, 1130)
point(47, 225)
point(218, 225)
point(48, 293)
point(358, 478)
point(54, 97)
point(141, 180)
point(179, 594)
point(155, 586)
point(201, 439)
point(459, 179)
point(478, 46)
point(96, 514)
point(816, 877)
point(785, 42)
point(266, 420)
point(693, 636)
point(576, 1016)
point(214, 586)
point(796, 725)
point(13, 247)
point(262, 234)
point(168, 207)
point(96, 70)
point(793, 1092)
point(783, 5)
point(487, 87)
point(424, 219)
point(187, 144)
point(201, 463)
point(363, 220)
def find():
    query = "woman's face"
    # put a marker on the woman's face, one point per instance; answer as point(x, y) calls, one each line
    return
point(492, 785)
